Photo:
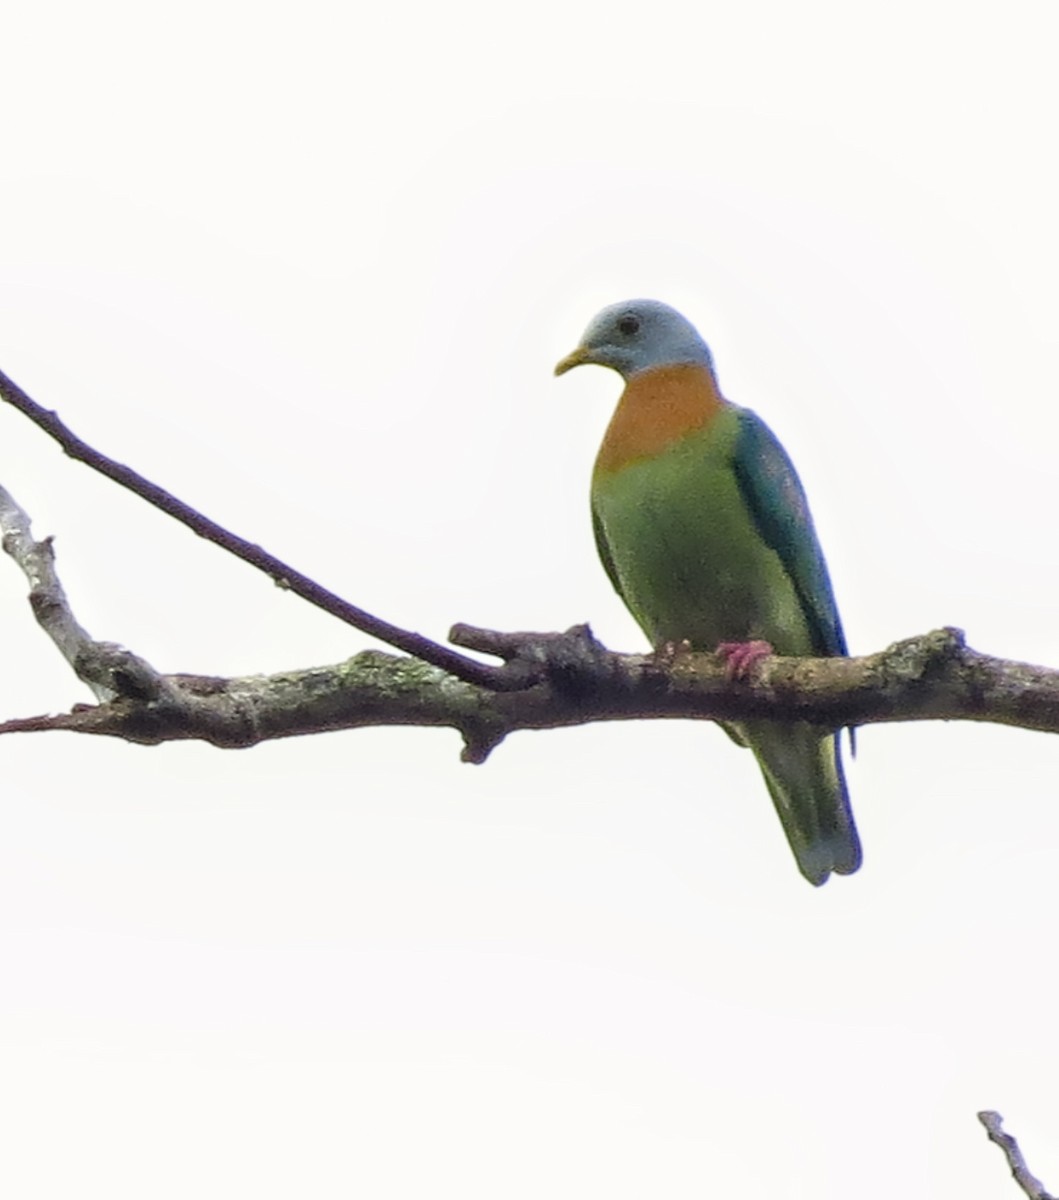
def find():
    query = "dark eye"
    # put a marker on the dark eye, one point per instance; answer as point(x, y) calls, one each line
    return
point(629, 324)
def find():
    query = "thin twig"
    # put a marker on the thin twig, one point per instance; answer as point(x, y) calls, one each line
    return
point(1023, 1177)
point(284, 575)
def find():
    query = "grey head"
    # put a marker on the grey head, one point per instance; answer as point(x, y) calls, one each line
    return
point(637, 335)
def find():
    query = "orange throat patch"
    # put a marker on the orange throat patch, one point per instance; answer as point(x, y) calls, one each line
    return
point(658, 407)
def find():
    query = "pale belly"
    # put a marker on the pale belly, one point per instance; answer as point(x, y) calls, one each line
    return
point(689, 559)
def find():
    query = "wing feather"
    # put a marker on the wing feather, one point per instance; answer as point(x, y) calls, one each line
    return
point(776, 499)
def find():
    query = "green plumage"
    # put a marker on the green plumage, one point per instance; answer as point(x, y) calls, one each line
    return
point(710, 541)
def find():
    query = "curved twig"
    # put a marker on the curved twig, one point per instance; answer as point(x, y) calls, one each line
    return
point(108, 670)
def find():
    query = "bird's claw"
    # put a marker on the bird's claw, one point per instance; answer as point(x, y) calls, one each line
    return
point(740, 658)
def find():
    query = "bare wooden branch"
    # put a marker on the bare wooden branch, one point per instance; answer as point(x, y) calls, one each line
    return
point(1032, 1186)
point(281, 573)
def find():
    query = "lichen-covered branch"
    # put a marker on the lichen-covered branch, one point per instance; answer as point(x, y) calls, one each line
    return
point(936, 676)
point(1032, 1186)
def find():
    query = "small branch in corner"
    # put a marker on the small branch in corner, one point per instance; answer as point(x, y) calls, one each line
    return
point(1029, 1183)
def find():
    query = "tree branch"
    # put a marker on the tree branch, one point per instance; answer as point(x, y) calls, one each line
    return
point(282, 574)
point(1032, 1186)
point(545, 681)
point(932, 677)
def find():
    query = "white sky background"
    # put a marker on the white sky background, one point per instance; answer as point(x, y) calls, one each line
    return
point(310, 269)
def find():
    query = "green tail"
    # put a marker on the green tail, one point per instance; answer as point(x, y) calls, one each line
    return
point(803, 771)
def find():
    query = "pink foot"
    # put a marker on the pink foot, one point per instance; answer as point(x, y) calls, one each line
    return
point(741, 657)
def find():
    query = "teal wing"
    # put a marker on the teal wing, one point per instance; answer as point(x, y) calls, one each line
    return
point(775, 497)
point(804, 774)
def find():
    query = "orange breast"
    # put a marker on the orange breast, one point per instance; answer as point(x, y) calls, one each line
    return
point(658, 407)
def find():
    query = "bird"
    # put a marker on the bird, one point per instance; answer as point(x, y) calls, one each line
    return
point(703, 527)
